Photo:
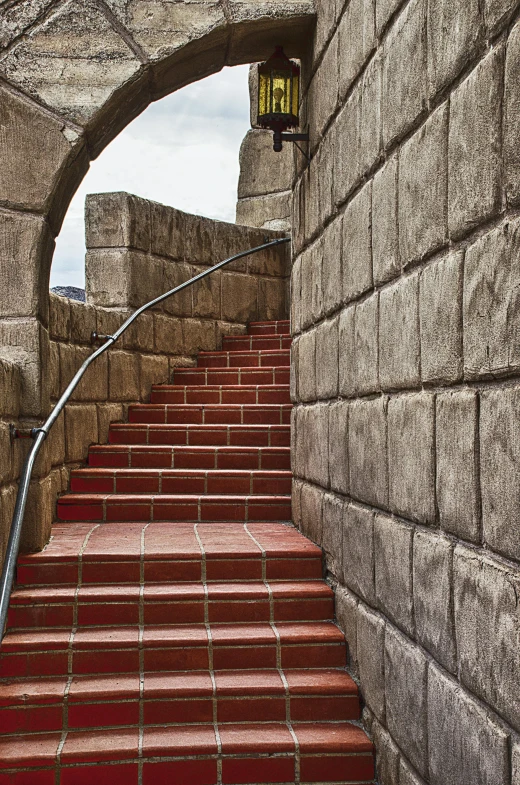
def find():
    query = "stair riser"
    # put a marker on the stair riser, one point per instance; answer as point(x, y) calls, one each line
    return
point(230, 376)
point(168, 570)
point(192, 483)
point(278, 359)
point(202, 510)
point(174, 415)
point(217, 395)
point(172, 710)
point(233, 436)
point(271, 343)
point(186, 458)
point(282, 327)
point(169, 612)
point(170, 659)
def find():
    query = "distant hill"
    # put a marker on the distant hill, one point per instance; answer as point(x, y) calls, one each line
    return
point(72, 292)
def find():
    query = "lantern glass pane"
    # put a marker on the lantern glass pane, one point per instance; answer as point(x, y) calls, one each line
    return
point(263, 94)
point(295, 96)
point(281, 94)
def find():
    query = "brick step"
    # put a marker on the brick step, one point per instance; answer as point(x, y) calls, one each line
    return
point(245, 359)
point(199, 435)
point(282, 327)
point(170, 603)
point(181, 481)
point(165, 507)
point(211, 414)
point(235, 394)
point(232, 376)
point(160, 457)
point(305, 752)
point(267, 342)
point(120, 650)
point(167, 698)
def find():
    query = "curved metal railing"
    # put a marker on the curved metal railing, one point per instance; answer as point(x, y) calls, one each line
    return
point(40, 434)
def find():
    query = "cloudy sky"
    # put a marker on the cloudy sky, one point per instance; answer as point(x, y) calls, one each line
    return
point(182, 151)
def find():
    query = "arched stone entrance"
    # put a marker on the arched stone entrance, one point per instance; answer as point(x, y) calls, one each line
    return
point(74, 74)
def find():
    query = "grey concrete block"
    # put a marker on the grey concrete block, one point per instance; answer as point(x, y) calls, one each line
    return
point(346, 352)
point(346, 617)
point(366, 347)
point(467, 746)
point(456, 455)
point(387, 755)
point(411, 457)
point(357, 245)
point(356, 40)
point(311, 512)
point(399, 335)
point(433, 599)
point(491, 285)
point(454, 33)
point(347, 148)
point(307, 366)
point(338, 446)
point(404, 72)
point(332, 517)
point(358, 551)
point(371, 661)
point(368, 452)
point(441, 289)
point(423, 189)
point(474, 146)
point(393, 547)
point(385, 238)
point(405, 688)
point(488, 630)
point(327, 359)
point(332, 257)
point(500, 469)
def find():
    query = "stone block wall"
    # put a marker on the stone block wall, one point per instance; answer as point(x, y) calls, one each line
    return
point(406, 371)
point(136, 251)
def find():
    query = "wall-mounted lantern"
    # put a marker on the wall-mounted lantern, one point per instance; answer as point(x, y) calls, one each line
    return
point(279, 98)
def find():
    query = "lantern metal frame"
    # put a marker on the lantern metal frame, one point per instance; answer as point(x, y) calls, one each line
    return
point(279, 66)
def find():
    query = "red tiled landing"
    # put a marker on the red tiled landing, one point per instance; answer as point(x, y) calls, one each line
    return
point(173, 629)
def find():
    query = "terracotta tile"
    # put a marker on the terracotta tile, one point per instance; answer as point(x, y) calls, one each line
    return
point(236, 683)
point(122, 774)
point(37, 691)
point(179, 741)
point(115, 661)
point(194, 772)
point(103, 688)
point(165, 685)
point(33, 777)
point(20, 719)
point(256, 739)
point(36, 751)
point(337, 768)
point(253, 770)
point(92, 715)
point(325, 708)
point(249, 709)
point(109, 745)
point(332, 739)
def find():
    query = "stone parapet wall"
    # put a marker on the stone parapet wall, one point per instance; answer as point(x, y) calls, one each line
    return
point(406, 372)
point(136, 250)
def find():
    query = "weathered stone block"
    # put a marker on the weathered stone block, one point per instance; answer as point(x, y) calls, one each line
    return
point(411, 457)
point(325, 167)
point(82, 322)
point(454, 33)
point(356, 41)
point(140, 335)
point(81, 430)
point(385, 239)
point(107, 414)
point(497, 13)
point(441, 288)
point(407, 776)
point(201, 297)
point(346, 352)
point(327, 359)
point(239, 297)
point(500, 469)
point(433, 600)
point(515, 779)
point(121, 220)
point(367, 440)
point(296, 297)
point(263, 211)
point(263, 171)
point(332, 517)
point(311, 512)
point(404, 72)
point(307, 366)
point(346, 617)
point(338, 447)
point(39, 513)
point(357, 245)
point(491, 285)
point(153, 370)
point(272, 296)
point(10, 386)
point(358, 551)
point(371, 135)
point(206, 295)
point(123, 376)
point(511, 151)
point(324, 92)
point(399, 335)
point(170, 234)
point(331, 272)
point(26, 345)
point(198, 335)
point(316, 437)
point(488, 627)
point(393, 547)
point(384, 11)
point(423, 189)
point(366, 347)
point(168, 335)
point(347, 148)
point(474, 146)
point(456, 453)
point(405, 690)
point(59, 317)
point(94, 385)
point(306, 274)
point(370, 653)
point(119, 278)
point(387, 755)
point(467, 746)
point(294, 376)
point(297, 503)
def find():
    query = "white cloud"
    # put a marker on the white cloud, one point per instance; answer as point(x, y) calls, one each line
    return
point(182, 151)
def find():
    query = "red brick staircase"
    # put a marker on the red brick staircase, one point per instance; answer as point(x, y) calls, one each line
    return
point(176, 630)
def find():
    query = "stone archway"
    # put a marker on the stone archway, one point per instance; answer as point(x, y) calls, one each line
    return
point(72, 75)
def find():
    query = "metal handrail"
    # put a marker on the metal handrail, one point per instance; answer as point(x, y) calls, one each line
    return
point(40, 434)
